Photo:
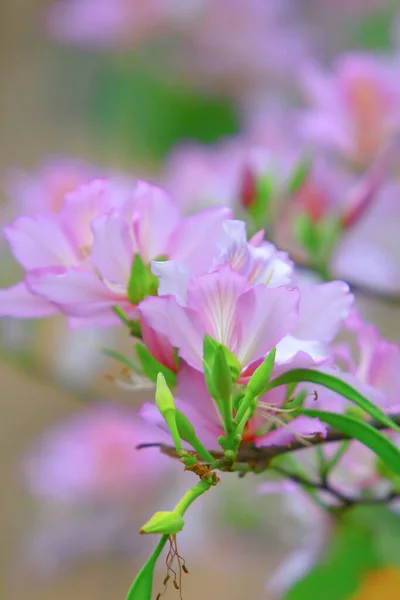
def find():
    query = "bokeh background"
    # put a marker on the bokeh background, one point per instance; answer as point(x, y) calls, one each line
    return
point(119, 111)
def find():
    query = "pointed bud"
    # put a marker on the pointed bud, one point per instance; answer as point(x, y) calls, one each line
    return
point(164, 398)
point(261, 376)
point(221, 375)
point(166, 522)
point(185, 428)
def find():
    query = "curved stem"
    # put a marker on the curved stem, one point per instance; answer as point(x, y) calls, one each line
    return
point(191, 496)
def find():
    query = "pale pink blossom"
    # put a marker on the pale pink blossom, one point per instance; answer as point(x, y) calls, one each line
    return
point(231, 45)
point(79, 262)
point(354, 109)
point(93, 456)
point(44, 189)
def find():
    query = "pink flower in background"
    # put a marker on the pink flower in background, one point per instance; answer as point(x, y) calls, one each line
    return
point(199, 175)
point(368, 253)
point(44, 190)
point(106, 22)
point(93, 456)
point(92, 488)
point(79, 262)
point(375, 362)
point(354, 110)
point(234, 46)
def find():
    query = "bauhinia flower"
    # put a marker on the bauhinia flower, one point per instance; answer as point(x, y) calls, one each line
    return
point(247, 301)
point(81, 261)
point(355, 109)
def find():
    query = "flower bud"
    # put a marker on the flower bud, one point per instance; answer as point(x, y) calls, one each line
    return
point(166, 522)
point(164, 398)
point(221, 375)
point(261, 376)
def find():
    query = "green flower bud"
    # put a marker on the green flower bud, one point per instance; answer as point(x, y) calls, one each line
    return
point(165, 522)
point(164, 398)
point(221, 375)
point(261, 376)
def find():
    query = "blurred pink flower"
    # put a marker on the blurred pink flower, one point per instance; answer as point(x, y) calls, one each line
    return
point(355, 110)
point(93, 456)
point(235, 46)
point(44, 190)
point(368, 252)
point(200, 175)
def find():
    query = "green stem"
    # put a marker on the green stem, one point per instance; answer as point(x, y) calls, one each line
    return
point(169, 417)
point(244, 405)
point(191, 496)
point(202, 451)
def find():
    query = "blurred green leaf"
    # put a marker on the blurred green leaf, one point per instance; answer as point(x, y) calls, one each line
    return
point(299, 174)
point(337, 385)
point(152, 367)
point(144, 115)
point(122, 358)
point(142, 586)
point(373, 32)
point(306, 233)
point(368, 435)
point(350, 555)
point(384, 527)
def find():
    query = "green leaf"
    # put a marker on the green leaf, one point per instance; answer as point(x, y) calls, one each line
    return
point(152, 367)
point(365, 433)
point(338, 575)
point(299, 175)
point(259, 209)
point(337, 385)
point(305, 232)
point(383, 525)
point(138, 280)
point(142, 587)
point(128, 362)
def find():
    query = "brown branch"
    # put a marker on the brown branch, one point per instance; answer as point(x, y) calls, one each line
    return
point(259, 458)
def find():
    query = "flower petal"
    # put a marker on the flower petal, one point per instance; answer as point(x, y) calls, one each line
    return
point(183, 326)
point(264, 317)
point(18, 301)
point(283, 436)
point(215, 297)
point(112, 250)
point(77, 292)
point(323, 308)
point(41, 241)
point(155, 217)
point(173, 278)
point(194, 241)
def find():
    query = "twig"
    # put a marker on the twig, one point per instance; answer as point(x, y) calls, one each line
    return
point(260, 457)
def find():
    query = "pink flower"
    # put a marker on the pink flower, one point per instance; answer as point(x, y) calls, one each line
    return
point(248, 320)
point(201, 175)
point(355, 110)
point(45, 189)
point(229, 45)
point(247, 301)
point(368, 252)
point(93, 456)
point(80, 261)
